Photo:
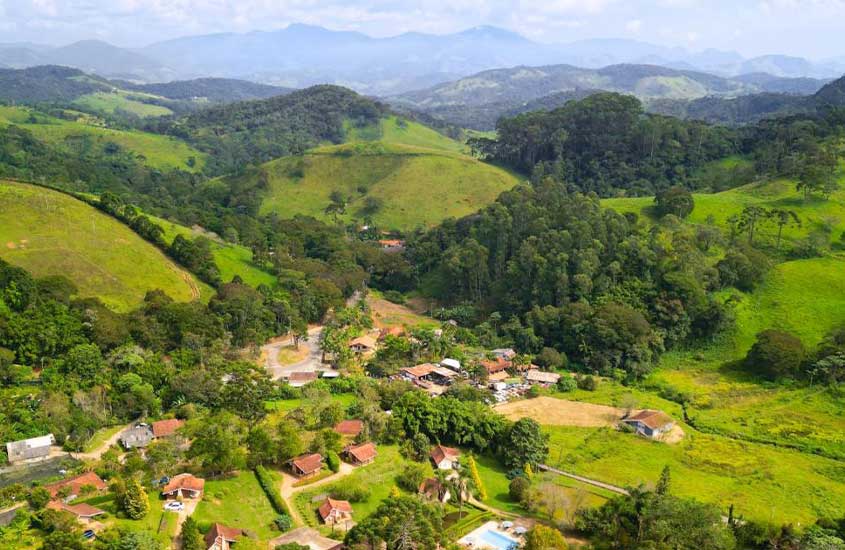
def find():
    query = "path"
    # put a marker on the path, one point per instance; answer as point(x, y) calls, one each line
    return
point(190, 506)
point(595, 483)
point(487, 508)
point(312, 363)
point(288, 491)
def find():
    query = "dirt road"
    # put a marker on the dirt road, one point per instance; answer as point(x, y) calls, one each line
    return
point(312, 362)
point(288, 491)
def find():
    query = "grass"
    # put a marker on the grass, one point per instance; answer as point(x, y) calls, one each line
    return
point(156, 151)
point(239, 502)
point(50, 233)
point(278, 408)
point(231, 259)
point(101, 436)
point(414, 186)
point(106, 102)
point(387, 314)
point(158, 522)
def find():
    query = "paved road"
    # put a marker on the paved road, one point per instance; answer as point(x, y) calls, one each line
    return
point(312, 362)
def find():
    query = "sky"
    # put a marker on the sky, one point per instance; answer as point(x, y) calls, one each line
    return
point(809, 28)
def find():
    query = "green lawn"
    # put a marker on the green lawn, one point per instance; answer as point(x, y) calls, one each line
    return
point(160, 523)
point(106, 102)
point(100, 437)
point(157, 151)
point(239, 502)
point(50, 233)
point(278, 408)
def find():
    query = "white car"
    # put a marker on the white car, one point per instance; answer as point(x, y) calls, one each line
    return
point(174, 506)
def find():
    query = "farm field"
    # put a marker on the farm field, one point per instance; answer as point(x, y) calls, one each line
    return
point(163, 152)
point(50, 233)
point(110, 102)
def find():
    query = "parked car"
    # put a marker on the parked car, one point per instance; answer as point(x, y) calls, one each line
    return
point(88, 534)
point(174, 506)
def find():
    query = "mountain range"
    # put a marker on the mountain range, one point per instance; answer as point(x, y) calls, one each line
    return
point(303, 55)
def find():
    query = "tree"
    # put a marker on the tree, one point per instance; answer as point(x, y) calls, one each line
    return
point(218, 443)
point(191, 536)
point(399, 523)
point(63, 540)
point(676, 201)
point(333, 461)
point(135, 501)
point(290, 442)
point(783, 218)
point(525, 443)
point(544, 538)
point(38, 498)
point(480, 490)
point(518, 487)
point(664, 483)
point(775, 354)
point(750, 219)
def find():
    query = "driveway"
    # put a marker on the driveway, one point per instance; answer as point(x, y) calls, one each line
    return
point(312, 362)
point(288, 491)
point(190, 506)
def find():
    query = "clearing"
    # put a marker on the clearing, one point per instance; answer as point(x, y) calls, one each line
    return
point(387, 314)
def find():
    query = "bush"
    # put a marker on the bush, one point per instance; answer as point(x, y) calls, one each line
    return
point(776, 354)
point(333, 461)
point(412, 476)
point(518, 487)
point(269, 486)
point(587, 383)
point(283, 522)
point(566, 383)
point(38, 498)
point(394, 296)
point(676, 201)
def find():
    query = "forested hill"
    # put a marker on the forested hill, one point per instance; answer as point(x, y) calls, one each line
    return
point(47, 83)
point(252, 132)
point(214, 90)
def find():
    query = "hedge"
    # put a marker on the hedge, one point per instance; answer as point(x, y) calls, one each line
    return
point(269, 485)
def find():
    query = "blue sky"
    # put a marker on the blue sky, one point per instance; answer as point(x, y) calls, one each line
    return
point(809, 28)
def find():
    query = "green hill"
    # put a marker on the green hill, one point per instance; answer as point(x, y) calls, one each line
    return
point(50, 233)
point(158, 151)
point(398, 186)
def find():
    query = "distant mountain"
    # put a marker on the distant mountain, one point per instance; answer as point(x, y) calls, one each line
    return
point(47, 83)
point(782, 85)
point(214, 90)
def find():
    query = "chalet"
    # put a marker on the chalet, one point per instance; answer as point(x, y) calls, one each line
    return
point(349, 427)
point(299, 379)
point(306, 465)
point(500, 364)
point(166, 428)
point(363, 344)
point(451, 364)
point(536, 376)
point(360, 454)
point(137, 437)
point(308, 537)
point(221, 537)
point(445, 458)
point(432, 489)
point(26, 449)
point(335, 511)
point(69, 489)
point(650, 423)
point(83, 512)
point(184, 486)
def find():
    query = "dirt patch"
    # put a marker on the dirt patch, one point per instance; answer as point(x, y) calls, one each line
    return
point(675, 435)
point(559, 412)
point(387, 314)
point(11, 245)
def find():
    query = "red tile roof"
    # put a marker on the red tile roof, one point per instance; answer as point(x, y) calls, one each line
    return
point(349, 427)
point(497, 365)
point(81, 510)
point(165, 428)
point(420, 370)
point(308, 463)
point(363, 452)
point(441, 453)
point(652, 419)
point(331, 504)
point(229, 534)
point(184, 481)
point(76, 484)
point(431, 487)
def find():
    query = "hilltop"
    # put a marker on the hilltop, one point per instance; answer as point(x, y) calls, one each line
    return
point(51, 233)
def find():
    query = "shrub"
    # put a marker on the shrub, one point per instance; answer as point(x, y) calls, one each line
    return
point(676, 201)
point(412, 476)
point(283, 522)
point(566, 383)
point(587, 383)
point(776, 354)
point(333, 461)
point(269, 486)
point(38, 498)
point(518, 487)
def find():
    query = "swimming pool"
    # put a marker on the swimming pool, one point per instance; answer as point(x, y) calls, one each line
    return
point(496, 540)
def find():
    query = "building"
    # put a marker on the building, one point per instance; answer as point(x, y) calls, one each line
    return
point(392, 245)
point(26, 449)
point(83, 512)
point(650, 423)
point(428, 372)
point(360, 454)
point(452, 364)
point(445, 458)
point(166, 428)
point(69, 489)
point(535, 376)
point(306, 465)
point(309, 537)
point(221, 537)
point(363, 344)
point(184, 486)
point(504, 353)
point(499, 364)
point(335, 511)
point(432, 489)
point(349, 427)
point(299, 379)
point(137, 437)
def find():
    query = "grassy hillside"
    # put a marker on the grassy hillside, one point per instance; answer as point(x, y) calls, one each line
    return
point(108, 102)
point(399, 131)
point(161, 152)
point(50, 233)
point(413, 186)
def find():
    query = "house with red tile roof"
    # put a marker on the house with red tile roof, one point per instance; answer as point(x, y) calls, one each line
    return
point(349, 427)
point(650, 423)
point(83, 512)
point(445, 458)
point(221, 537)
point(360, 454)
point(184, 486)
point(75, 486)
point(306, 465)
point(335, 511)
point(499, 364)
point(432, 489)
point(166, 428)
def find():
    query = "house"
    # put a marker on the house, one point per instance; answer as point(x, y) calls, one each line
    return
point(363, 344)
point(306, 465)
point(428, 372)
point(335, 511)
point(83, 512)
point(360, 454)
point(650, 423)
point(25, 449)
point(71, 488)
point(535, 376)
point(392, 245)
point(137, 437)
point(432, 489)
point(349, 427)
point(184, 486)
point(452, 364)
point(221, 537)
point(504, 353)
point(166, 428)
point(445, 458)
point(299, 379)
point(500, 364)
point(308, 537)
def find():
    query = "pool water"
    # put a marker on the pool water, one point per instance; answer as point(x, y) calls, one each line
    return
point(496, 540)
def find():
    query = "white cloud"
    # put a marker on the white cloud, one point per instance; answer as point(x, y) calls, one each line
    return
point(634, 25)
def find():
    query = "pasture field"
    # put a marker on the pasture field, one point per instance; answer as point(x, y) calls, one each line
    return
point(106, 102)
point(50, 233)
